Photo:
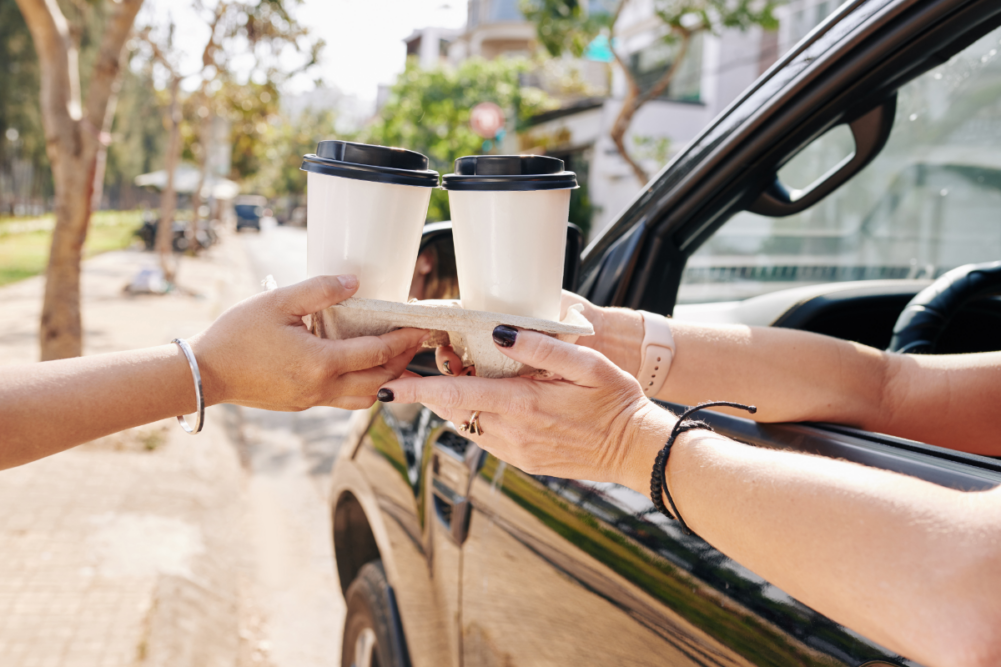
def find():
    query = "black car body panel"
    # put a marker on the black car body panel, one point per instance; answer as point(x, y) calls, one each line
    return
point(575, 572)
point(493, 566)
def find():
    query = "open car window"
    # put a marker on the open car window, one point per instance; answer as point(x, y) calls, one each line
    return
point(929, 202)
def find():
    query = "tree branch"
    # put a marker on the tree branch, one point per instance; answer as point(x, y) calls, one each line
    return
point(629, 104)
point(59, 84)
point(46, 22)
point(108, 62)
point(208, 54)
point(634, 89)
point(615, 18)
point(665, 79)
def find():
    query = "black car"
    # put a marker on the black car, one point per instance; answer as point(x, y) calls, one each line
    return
point(888, 119)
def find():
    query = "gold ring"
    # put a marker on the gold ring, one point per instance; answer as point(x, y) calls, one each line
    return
point(473, 425)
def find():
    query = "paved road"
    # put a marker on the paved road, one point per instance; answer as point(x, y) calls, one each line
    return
point(290, 456)
point(279, 251)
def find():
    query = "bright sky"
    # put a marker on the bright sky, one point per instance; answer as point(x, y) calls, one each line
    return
point(364, 37)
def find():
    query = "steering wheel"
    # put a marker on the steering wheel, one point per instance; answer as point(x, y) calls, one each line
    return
point(925, 317)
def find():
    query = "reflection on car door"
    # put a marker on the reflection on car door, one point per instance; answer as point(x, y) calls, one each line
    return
point(394, 453)
point(574, 572)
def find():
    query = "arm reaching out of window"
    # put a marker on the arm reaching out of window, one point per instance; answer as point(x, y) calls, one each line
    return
point(945, 400)
point(909, 564)
point(258, 353)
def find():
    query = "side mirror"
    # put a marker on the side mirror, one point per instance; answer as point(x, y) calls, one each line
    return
point(571, 262)
point(435, 274)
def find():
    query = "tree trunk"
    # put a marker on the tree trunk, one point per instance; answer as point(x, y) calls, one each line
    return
point(624, 119)
point(168, 198)
point(61, 326)
point(71, 143)
point(634, 100)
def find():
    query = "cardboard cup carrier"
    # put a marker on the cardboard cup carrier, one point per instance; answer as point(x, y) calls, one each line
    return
point(509, 222)
point(365, 210)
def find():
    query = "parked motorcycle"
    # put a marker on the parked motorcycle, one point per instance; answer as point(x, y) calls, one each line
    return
point(203, 237)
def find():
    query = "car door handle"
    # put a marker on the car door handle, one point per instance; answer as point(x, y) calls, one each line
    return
point(454, 461)
point(870, 131)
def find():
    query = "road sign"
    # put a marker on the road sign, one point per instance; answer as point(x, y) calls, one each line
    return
point(486, 119)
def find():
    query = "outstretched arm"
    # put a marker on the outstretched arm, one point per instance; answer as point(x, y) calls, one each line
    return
point(946, 400)
point(257, 353)
point(911, 565)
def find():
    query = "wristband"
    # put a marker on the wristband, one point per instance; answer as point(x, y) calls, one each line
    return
point(657, 353)
point(199, 397)
point(658, 478)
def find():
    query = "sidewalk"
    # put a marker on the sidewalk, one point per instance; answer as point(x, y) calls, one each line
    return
point(151, 547)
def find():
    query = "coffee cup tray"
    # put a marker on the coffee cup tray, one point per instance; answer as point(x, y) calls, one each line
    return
point(469, 332)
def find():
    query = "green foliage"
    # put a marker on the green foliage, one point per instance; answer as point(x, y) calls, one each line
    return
point(280, 148)
point(255, 47)
point(250, 108)
point(428, 111)
point(20, 83)
point(19, 101)
point(652, 148)
point(714, 15)
point(564, 25)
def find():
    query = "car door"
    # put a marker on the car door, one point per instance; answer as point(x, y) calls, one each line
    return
point(575, 572)
point(395, 456)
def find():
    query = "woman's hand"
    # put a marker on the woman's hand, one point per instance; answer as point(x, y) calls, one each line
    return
point(260, 354)
point(591, 424)
point(618, 335)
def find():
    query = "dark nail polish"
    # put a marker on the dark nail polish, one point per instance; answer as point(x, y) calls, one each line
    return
point(448, 367)
point(385, 395)
point(505, 336)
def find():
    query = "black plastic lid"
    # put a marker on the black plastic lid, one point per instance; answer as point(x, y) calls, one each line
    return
point(509, 172)
point(366, 162)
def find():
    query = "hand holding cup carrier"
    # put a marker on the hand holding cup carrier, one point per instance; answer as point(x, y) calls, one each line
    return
point(367, 206)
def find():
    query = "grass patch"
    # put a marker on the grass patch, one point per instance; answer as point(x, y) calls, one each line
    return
point(23, 255)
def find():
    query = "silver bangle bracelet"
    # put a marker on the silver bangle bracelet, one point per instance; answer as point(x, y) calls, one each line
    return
point(186, 349)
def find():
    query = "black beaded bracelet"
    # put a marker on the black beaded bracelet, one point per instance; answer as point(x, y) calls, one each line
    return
point(658, 480)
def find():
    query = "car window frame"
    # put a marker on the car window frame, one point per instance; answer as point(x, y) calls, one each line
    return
point(877, 49)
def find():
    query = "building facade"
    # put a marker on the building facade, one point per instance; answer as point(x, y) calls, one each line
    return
point(716, 69)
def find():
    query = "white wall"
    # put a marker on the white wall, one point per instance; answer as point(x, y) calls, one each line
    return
point(612, 183)
point(730, 63)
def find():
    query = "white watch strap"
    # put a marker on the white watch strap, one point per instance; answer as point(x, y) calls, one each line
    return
point(658, 352)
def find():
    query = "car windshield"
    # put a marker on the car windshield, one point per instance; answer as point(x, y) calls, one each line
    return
point(931, 200)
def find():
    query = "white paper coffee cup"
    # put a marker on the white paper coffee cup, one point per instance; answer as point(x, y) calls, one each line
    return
point(365, 210)
point(509, 222)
